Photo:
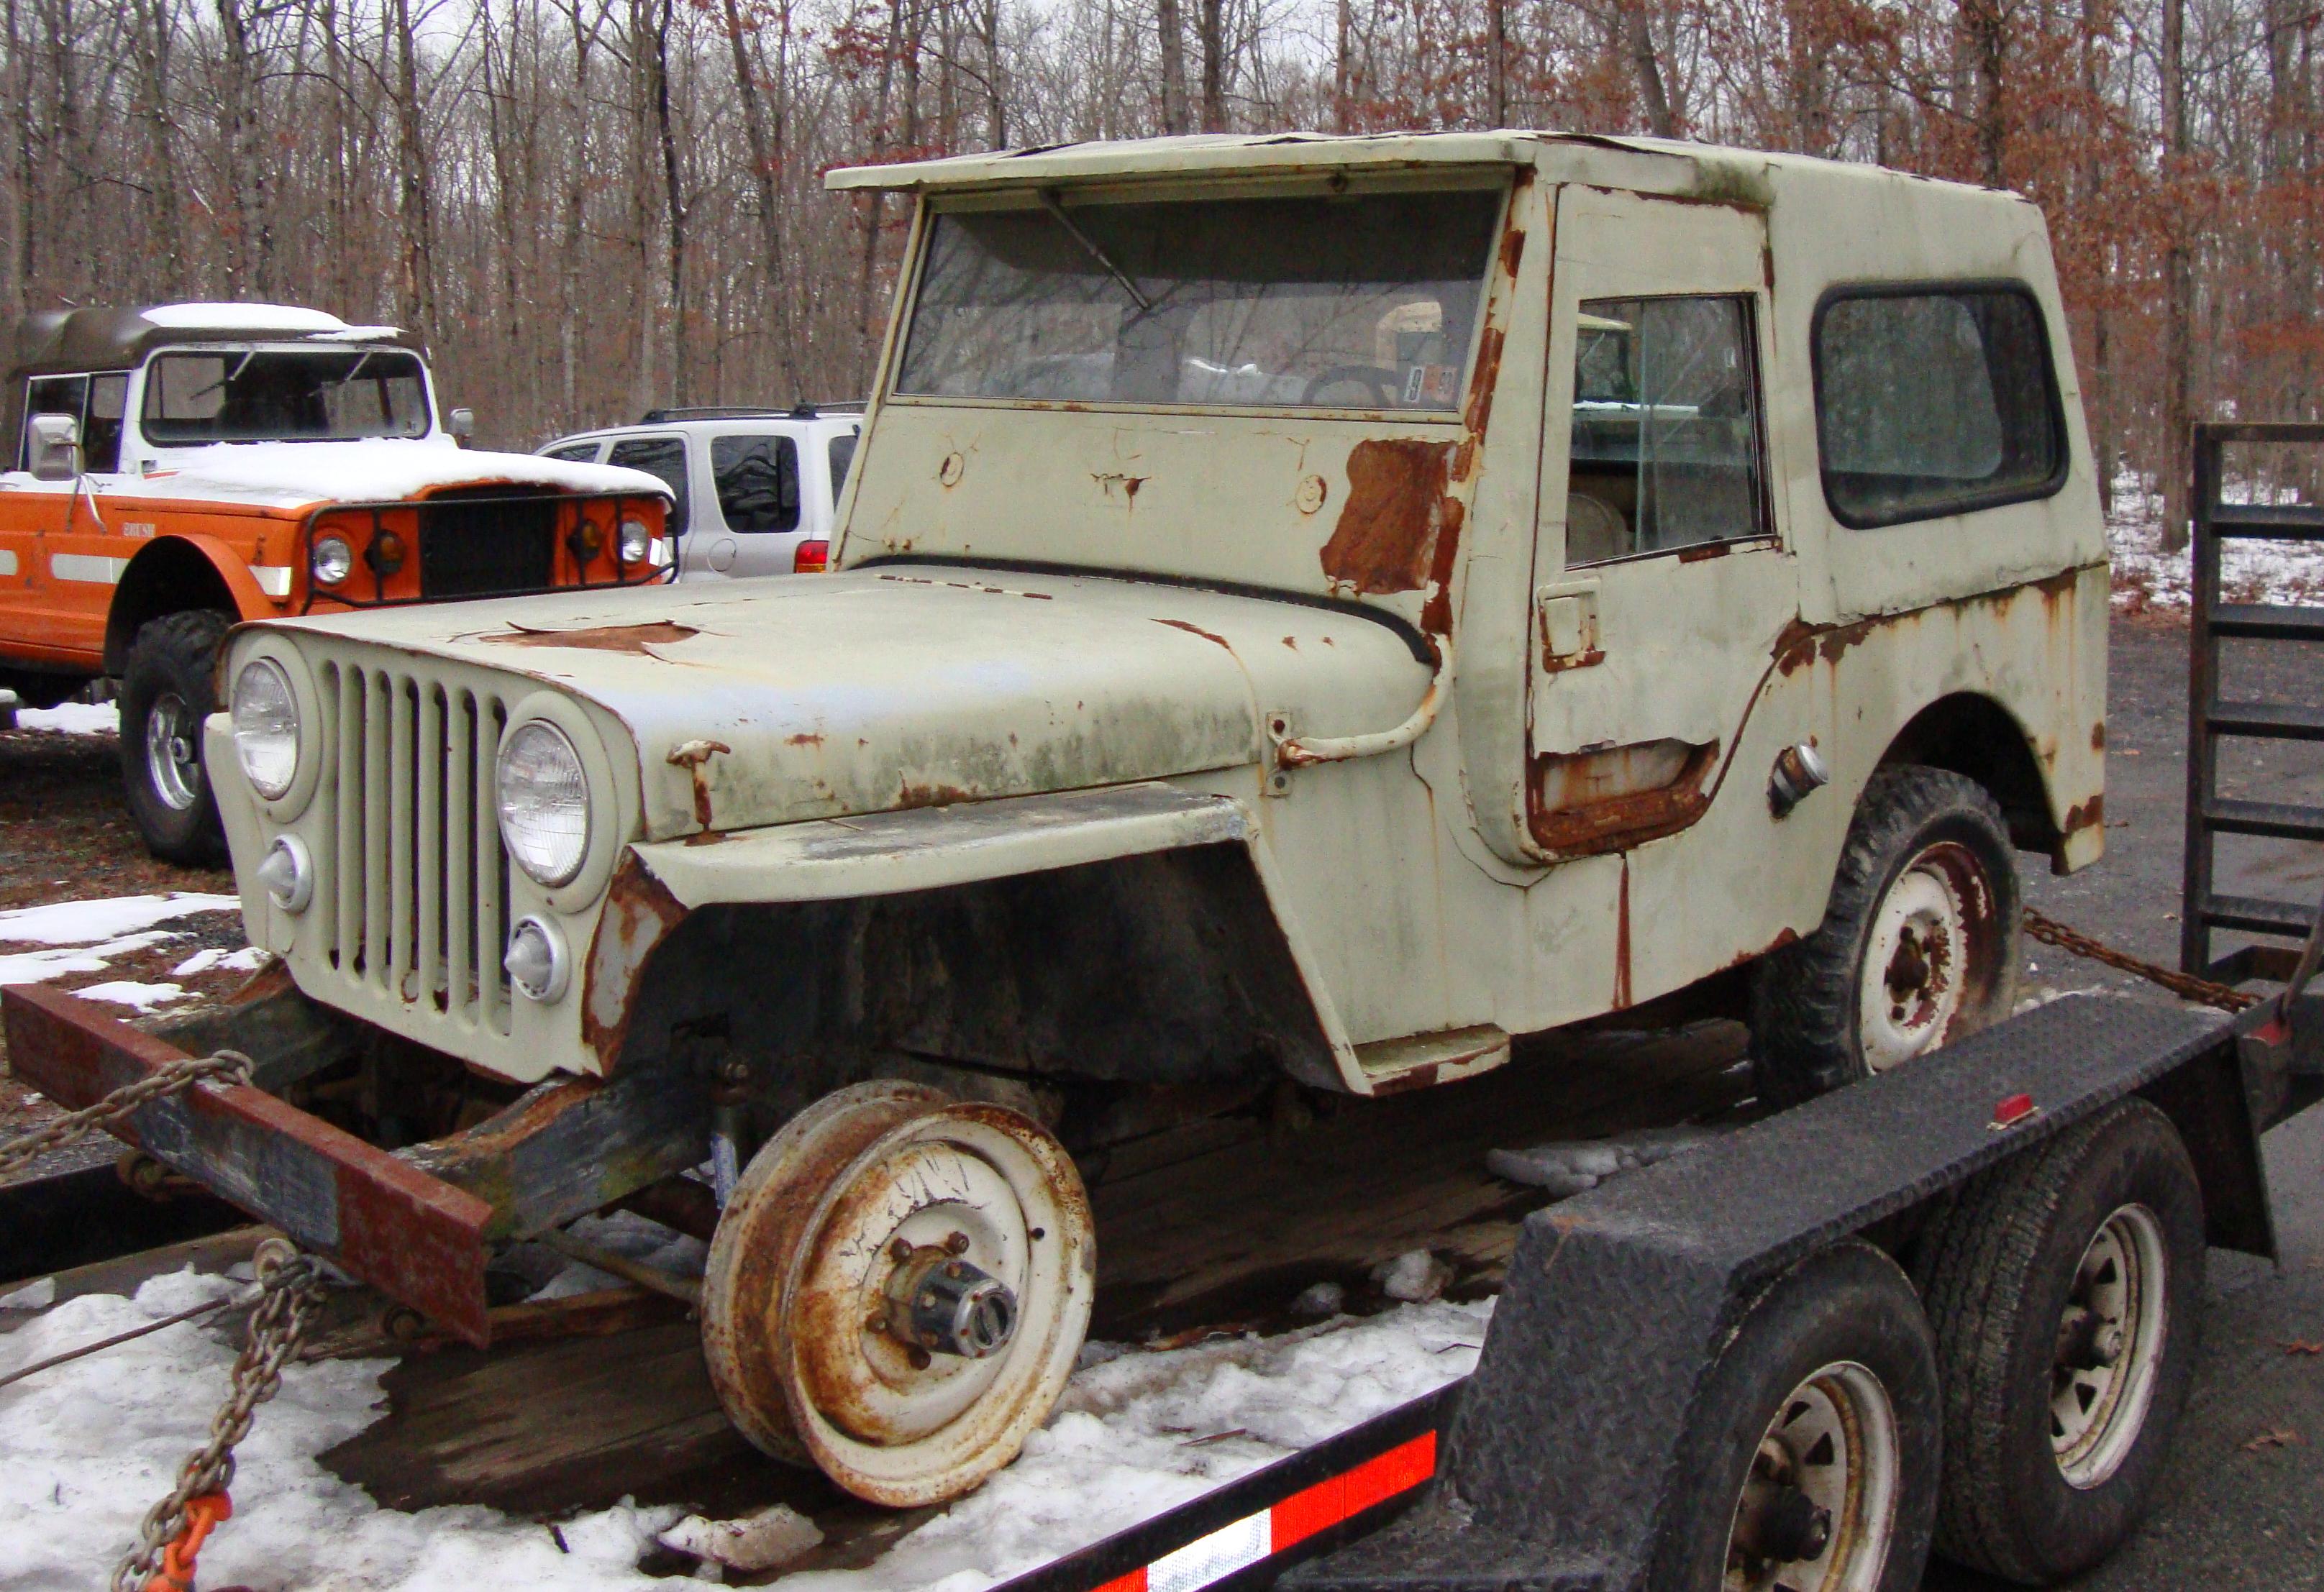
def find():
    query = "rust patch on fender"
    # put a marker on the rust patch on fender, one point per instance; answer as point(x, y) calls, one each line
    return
point(934, 795)
point(690, 757)
point(2090, 814)
point(1783, 937)
point(635, 639)
point(1390, 524)
point(2097, 736)
point(804, 738)
point(640, 914)
point(1192, 629)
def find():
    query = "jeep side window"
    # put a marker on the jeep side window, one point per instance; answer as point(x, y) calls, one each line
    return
point(1665, 449)
point(757, 482)
point(842, 453)
point(1933, 400)
point(658, 455)
point(50, 395)
point(580, 453)
point(100, 433)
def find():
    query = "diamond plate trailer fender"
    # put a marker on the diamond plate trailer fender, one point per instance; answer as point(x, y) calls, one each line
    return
point(1564, 1452)
point(413, 1236)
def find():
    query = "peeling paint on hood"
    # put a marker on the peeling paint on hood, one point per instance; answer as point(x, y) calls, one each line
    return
point(916, 684)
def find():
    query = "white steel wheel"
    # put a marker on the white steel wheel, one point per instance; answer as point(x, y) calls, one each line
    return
point(898, 1290)
point(172, 733)
point(1818, 1511)
point(2110, 1344)
point(1933, 928)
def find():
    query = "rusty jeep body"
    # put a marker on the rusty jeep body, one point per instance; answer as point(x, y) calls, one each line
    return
point(1307, 611)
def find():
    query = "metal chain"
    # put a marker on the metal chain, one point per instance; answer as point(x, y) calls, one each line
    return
point(291, 1298)
point(172, 1078)
point(2186, 986)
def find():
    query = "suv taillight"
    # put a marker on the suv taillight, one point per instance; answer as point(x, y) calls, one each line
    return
point(811, 558)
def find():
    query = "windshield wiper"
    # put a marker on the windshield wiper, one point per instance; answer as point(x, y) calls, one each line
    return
point(1048, 198)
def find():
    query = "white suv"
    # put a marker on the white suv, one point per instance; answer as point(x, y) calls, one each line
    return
point(756, 488)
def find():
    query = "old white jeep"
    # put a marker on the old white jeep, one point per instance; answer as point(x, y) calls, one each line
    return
point(1308, 609)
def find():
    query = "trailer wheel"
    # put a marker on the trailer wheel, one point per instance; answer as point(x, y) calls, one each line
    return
point(168, 687)
point(1811, 1461)
point(1918, 947)
point(2064, 1287)
point(898, 1290)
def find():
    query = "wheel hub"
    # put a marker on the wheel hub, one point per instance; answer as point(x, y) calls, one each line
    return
point(941, 1305)
point(1819, 1505)
point(170, 757)
point(2110, 1347)
point(1918, 956)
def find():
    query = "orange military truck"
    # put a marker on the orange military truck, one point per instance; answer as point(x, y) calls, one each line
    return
point(178, 468)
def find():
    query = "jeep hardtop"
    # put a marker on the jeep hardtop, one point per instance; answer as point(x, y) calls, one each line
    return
point(173, 469)
point(1307, 610)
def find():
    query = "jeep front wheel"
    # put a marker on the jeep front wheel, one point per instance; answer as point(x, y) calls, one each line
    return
point(1918, 947)
point(166, 690)
point(898, 1290)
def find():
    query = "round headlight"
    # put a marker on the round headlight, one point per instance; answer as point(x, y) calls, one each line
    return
point(266, 726)
point(637, 541)
point(544, 803)
point(332, 558)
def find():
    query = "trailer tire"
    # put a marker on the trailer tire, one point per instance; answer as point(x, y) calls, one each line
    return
point(2018, 1288)
point(1837, 1348)
point(168, 687)
point(1927, 883)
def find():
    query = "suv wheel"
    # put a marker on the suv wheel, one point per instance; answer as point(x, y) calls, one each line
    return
point(1918, 947)
point(166, 690)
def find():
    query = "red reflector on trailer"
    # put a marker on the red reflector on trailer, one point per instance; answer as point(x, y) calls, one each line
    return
point(1256, 1537)
point(811, 557)
point(2012, 1110)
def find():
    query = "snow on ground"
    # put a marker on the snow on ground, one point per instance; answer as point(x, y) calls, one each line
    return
point(87, 936)
point(72, 718)
point(92, 1443)
point(2146, 577)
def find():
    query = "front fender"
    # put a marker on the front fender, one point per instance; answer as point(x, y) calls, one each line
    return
point(182, 571)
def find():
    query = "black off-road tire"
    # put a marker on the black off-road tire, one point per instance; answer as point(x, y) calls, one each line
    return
point(1998, 1269)
point(1805, 1003)
point(1849, 1304)
point(174, 658)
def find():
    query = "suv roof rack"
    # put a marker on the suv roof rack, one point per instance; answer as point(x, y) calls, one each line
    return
point(797, 411)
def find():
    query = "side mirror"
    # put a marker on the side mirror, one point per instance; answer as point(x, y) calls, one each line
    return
point(461, 423)
point(56, 447)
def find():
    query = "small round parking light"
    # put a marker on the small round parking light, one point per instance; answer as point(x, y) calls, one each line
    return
point(537, 961)
point(385, 553)
point(332, 561)
point(288, 873)
point(636, 541)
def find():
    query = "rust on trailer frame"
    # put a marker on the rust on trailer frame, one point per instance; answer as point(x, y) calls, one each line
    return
point(414, 1237)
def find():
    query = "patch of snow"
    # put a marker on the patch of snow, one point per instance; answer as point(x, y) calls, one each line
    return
point(38, 967)
point(1414, 1276)
point(248, 959)
point(1140, 1434)
point(37, 1295)
point(93, 1443)
point(72, 718)
point(129, 992)
point(2147, 578)
point(82, 922)
point(755, 1542)
point(380, 469)
point(256, 318)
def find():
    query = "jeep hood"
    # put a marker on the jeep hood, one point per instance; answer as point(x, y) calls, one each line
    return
point(910, 686)
point(378, 470)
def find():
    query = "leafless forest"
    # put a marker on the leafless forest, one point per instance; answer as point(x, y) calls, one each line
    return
point(589, 205)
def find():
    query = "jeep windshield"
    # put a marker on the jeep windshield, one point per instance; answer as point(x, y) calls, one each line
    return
point(1364, 303)
point(283, 395)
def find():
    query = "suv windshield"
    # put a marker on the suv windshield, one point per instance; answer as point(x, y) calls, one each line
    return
point(283, 395)
point(1365, 302)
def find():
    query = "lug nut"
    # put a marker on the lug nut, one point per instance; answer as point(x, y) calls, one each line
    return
point(900, 1250)
point(957, 1243)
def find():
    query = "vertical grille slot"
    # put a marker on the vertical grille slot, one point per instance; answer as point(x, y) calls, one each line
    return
point(420, 883)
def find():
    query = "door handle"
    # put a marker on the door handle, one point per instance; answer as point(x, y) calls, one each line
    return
point(1565, 621)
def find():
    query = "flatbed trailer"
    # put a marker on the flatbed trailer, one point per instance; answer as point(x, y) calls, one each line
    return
point(1627, 1364)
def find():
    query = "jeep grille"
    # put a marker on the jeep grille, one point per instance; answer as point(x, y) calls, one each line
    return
point(418, 882)
point(473, 549)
